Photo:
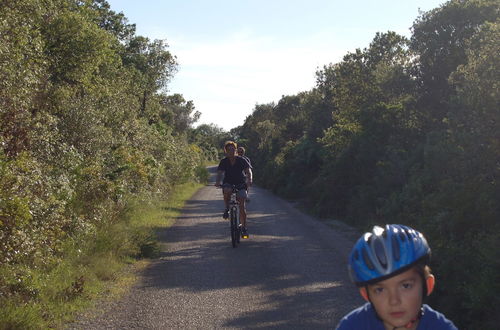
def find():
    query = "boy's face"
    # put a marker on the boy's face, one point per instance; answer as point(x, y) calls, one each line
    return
point(398, 299)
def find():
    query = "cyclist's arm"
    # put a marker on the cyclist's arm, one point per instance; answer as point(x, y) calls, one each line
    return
point(248, 173)
point(219, 178)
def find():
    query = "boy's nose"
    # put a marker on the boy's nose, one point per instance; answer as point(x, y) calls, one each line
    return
point(394, 298)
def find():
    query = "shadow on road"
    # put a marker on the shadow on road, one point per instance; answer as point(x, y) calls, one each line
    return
point(291, 273)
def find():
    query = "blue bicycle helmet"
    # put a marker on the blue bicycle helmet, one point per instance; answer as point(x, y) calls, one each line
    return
point(386, 252)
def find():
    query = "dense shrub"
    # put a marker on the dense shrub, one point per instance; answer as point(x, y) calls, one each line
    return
point(408, 133)
point(84, 128)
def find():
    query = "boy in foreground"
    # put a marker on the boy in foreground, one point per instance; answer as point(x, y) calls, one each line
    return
point(390, 267)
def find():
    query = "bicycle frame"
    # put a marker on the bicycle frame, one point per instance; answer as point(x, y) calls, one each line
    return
point(234, 218)
point(234, 213)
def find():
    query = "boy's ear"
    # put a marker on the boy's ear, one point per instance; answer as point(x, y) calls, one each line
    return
point(364, 293)
point(430, 281)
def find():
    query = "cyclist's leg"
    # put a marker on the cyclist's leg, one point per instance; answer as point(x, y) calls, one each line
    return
point(227, 197)
point(242, 195)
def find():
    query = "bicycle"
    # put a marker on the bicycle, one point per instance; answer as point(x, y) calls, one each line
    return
point(234, 215)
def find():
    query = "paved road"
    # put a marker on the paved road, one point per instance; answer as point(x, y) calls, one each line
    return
point(290, 274)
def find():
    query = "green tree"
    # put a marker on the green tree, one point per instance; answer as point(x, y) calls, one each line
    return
point(20, 52)
point(113, 22)
point(152, 65)
point(210, 138)
point(82, 131)
point(179, 113)
point(439, 40)
point(371, 95)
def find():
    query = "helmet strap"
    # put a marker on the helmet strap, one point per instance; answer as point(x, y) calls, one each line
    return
point(412, 322)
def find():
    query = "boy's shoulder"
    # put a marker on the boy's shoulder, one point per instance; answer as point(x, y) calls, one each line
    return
point(363, 317)
point(433, 319)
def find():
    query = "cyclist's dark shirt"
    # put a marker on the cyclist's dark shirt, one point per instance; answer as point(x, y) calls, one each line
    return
point(233, 174)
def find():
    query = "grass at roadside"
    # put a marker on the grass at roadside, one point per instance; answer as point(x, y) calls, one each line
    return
point(99, 264)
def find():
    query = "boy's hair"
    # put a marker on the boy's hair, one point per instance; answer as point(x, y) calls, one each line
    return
point(423, 270)
point(386, 252)
point(228, 143)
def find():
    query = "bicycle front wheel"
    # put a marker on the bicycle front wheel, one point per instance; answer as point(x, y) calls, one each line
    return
point(234, 228)
point(238, 227)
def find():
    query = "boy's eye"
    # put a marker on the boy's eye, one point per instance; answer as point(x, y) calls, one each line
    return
point(378, 290)
point(407, 285)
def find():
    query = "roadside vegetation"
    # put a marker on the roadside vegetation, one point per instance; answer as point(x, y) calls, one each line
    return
point(94, 154)
point(404, 131)
point(93, 267)
point(94, 151)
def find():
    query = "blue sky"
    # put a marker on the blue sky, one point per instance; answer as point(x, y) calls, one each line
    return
point(234, 54)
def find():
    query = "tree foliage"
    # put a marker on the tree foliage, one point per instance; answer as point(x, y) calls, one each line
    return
point(404, 131)
point(85, 124)
point(210, 138)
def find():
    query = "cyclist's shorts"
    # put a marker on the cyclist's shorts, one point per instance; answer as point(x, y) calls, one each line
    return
point(242, 192)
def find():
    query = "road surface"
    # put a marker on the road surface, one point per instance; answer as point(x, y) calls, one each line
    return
point(290, 274)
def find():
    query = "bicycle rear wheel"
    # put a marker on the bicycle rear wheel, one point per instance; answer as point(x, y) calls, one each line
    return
point(234, 229)
point(238, 232)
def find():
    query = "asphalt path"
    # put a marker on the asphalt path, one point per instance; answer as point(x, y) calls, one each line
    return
point(290, 274)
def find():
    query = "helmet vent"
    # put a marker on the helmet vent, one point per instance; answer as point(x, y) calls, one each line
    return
point(380, 253)
point(395, 248)
point(367, 260)
point(408, 234)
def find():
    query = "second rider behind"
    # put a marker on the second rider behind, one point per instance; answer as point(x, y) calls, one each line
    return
point(237, 171)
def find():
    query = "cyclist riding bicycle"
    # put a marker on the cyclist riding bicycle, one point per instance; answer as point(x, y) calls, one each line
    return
point(237, 171)
point(241, 152)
